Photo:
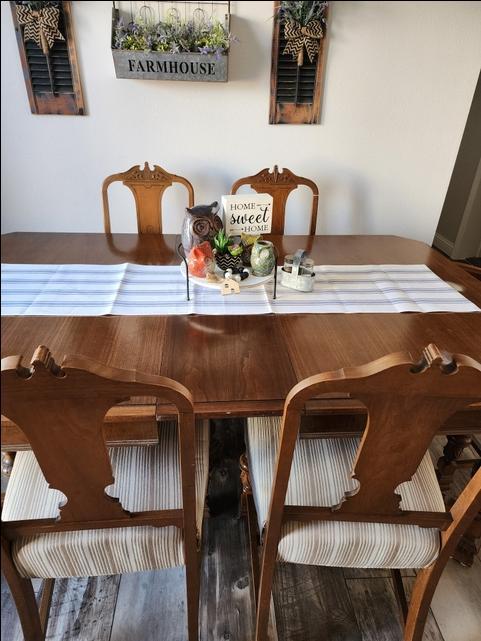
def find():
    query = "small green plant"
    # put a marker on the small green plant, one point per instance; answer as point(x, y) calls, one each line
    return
point(235, 249)
point(222, 242)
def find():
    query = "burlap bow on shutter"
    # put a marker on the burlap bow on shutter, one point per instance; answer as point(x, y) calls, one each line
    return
point(40, 26)
point(299, 37)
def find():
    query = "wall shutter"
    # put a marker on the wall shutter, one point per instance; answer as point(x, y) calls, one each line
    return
point(295, 91)
point(59, 72)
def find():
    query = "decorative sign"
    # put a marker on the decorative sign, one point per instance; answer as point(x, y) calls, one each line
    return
point(170, 66)
point(251, 214)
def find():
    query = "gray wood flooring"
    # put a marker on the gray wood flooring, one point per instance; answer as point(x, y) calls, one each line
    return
point(310, 603)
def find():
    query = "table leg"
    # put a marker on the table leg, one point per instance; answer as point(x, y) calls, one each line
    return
point(446, 466)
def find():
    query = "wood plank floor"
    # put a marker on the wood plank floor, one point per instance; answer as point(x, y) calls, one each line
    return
point(310, 603)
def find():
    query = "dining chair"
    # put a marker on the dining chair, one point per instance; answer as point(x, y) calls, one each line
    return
point(75, 508)
point(148, 186)
point(279, 185)
point(368, 503)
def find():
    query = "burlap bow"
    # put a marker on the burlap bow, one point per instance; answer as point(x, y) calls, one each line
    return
point(40, 26)
point(299, 37)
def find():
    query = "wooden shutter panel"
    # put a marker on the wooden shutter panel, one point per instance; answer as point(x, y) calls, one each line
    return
point(295, 91)
point(66, 99)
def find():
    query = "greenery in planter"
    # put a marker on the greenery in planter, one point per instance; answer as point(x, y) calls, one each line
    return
point(221, 242)
point(173, 36)
point(226, 250)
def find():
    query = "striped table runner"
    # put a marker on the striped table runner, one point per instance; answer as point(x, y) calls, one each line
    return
point(127, 289)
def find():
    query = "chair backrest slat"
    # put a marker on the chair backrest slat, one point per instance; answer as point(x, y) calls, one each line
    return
point(61, 410)
point(279, 185)
point(148, 186)
point(407, 402)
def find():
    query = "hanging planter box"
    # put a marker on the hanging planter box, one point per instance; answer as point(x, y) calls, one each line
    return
point(156, 65)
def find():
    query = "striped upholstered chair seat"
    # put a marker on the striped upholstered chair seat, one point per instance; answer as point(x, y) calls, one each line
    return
point(146, 478)
point(320, 475)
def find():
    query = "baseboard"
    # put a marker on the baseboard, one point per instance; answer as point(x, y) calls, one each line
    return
point(443, 244)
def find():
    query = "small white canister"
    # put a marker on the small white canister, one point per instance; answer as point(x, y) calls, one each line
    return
point(298, 272)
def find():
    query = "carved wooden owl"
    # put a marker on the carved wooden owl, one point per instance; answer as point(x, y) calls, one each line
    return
point(201, 223)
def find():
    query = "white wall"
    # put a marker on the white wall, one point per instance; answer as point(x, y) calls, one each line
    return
point(399, 81)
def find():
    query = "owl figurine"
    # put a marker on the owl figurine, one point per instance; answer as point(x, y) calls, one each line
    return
point(201, 223)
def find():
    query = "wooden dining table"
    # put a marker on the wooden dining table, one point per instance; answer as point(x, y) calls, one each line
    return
point(237, 365)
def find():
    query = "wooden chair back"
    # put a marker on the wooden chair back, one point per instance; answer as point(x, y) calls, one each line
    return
point(61, 411)
point(148, 186)
point(407, 402)
point(279, 185)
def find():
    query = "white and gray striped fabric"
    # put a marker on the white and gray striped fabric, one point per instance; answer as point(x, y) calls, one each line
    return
point(122, 290)
point(126, 289)
point(146, 478)
point(320, 475)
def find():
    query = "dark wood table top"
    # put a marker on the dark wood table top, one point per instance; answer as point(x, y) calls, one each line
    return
point(245, 364)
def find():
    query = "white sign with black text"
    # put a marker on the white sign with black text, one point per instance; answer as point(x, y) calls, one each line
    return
point(251, 214)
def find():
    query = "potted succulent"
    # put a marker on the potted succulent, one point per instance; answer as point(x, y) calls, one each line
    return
point(174, 48)
point(226, 251)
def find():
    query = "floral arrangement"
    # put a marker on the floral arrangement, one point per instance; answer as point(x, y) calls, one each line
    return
point(303, 12)
point(207, 36)
point(37, 5)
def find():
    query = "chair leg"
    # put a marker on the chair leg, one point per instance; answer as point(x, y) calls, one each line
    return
point(247, 499)
point(423, 592)
point(262, 586)
point(463, 512)
point(24, 597)
point(192, 576)
point(253, 543)
point(45, 601)
point(467, 547)
point(269, 555)
point(400, 594)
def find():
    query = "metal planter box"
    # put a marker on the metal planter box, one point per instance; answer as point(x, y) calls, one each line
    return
point(154, 65)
